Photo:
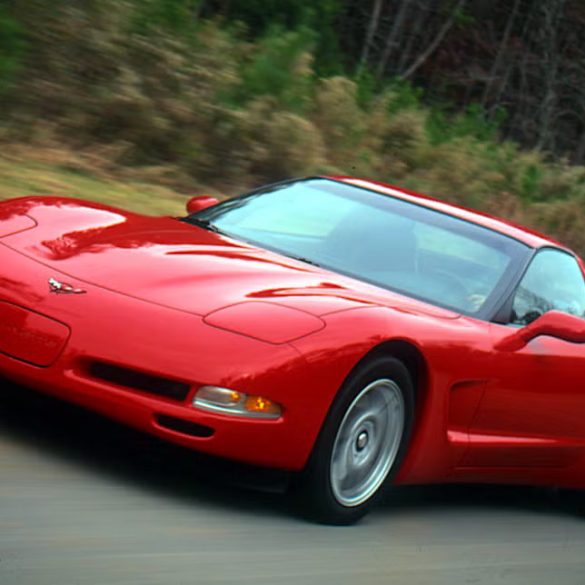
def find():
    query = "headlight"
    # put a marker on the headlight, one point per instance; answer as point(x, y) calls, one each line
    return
point(235, 403)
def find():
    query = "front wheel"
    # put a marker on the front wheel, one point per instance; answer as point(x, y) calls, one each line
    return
point(362, 443)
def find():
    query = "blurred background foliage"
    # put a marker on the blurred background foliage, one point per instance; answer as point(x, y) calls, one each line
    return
point(479, 102)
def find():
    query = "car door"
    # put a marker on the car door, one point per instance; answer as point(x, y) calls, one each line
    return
point(533, 408)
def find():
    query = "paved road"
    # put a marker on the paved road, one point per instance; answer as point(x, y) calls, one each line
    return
point(86, 502)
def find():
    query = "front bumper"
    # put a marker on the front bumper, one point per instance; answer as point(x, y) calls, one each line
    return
point(112, 328)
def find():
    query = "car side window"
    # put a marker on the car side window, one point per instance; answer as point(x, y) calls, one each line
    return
point(553, 281)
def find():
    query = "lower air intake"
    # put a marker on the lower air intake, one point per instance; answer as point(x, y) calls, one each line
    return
point(140, 381)
point(184, 427)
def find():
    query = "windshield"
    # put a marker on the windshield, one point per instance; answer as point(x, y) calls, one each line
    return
point(376, 238)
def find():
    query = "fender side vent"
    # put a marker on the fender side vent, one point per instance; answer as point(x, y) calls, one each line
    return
point(140, 381)
point(184, 427)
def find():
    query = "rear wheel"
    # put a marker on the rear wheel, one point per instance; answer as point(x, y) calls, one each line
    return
point(362, 443)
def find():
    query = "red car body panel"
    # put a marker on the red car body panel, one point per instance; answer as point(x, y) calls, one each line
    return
point(172, 300)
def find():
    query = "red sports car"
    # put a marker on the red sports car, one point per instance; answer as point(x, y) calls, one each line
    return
point(351, 332)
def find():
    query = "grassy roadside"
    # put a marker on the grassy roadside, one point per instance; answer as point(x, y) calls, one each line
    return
point(31, 173)
point(26, 170)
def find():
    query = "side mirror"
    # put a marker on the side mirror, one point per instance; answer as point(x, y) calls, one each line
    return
point(553, 324)
point(200, 203)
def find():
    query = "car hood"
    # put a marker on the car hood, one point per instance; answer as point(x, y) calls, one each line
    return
point(181, 266)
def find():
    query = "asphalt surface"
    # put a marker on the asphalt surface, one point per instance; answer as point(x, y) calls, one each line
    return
point(84, 501)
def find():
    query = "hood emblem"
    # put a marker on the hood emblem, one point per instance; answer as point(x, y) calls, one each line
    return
point(62, 288)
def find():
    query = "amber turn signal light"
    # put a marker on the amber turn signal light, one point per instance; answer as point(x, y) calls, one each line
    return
point(226, 401)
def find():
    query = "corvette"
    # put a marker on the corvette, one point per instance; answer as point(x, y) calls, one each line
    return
point(355, 334)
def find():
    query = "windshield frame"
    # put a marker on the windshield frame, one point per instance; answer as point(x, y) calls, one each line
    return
point(491, 308)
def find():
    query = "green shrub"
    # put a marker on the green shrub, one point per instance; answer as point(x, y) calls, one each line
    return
point(12, 48)
point(280, 66)
point(444, 126)
point(177, 16)
point(404, 96)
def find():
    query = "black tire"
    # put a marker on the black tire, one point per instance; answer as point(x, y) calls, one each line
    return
point(573, 501)
point(313, 488)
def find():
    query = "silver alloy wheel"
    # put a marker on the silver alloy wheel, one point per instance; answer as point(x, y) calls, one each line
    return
point(367, 442)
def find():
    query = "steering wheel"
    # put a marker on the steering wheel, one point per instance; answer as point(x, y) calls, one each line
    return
point(457, 289)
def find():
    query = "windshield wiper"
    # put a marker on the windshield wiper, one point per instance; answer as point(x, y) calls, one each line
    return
point(207, 225)
point(204, 223)
point(303, 259)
